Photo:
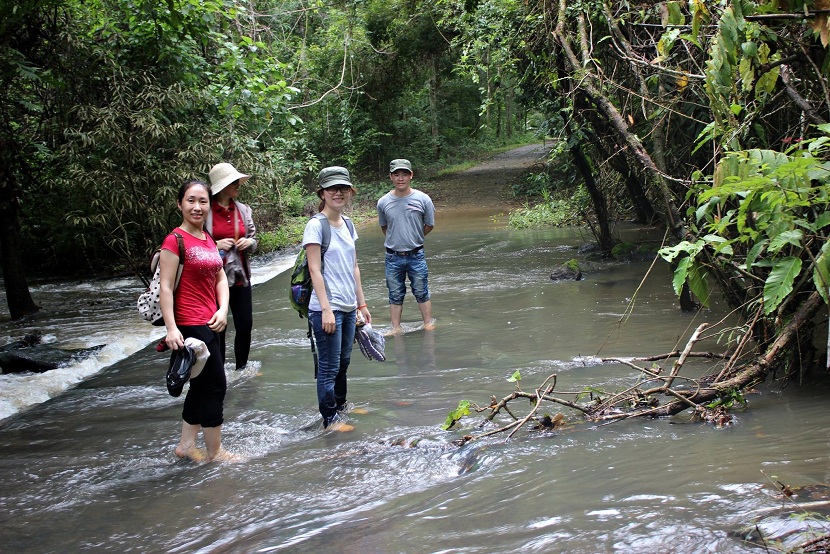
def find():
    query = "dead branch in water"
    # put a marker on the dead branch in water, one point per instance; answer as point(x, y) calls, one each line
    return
point(653, 394)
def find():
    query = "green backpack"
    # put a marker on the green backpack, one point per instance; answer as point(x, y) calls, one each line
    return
point(300, 289)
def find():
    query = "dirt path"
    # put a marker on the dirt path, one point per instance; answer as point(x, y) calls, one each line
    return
point(486, 184)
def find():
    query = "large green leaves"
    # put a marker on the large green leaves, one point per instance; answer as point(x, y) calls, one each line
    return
point(689, 269)
point(779, 284)
point(821, 274)
point(765, 213)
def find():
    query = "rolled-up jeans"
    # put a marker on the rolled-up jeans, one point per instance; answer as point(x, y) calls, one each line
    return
point(334, 352)
point(399, 268)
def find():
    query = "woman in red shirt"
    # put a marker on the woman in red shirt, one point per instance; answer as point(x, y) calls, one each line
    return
point(231, 224)
point(190, 310)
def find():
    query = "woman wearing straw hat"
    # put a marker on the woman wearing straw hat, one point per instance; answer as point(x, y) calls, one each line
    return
point(232, 226)
point(337, 294)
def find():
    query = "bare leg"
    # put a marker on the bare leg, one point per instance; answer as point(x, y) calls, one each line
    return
point(426, 315)
point(213, 441)
point(395, 312)
point(187, 444)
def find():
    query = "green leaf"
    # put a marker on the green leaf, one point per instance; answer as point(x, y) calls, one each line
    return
point(455, 415)
point(704, 209)
point(747, 75)
point(754, 252)
point(821, 273)
point(780, 282)
point(822, 221)
point(675, 15)
point(700, 15)
point(669, 253)
point(793, 237)
point(698, 283)
point(515, 377)
point(680, 275)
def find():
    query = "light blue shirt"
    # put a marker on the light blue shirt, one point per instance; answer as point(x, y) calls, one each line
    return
point(338, 267)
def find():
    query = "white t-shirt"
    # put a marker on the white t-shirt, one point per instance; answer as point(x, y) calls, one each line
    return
point(338, 266)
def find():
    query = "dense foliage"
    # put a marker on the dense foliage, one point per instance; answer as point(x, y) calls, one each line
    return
point(705, 116)
point(111, 104)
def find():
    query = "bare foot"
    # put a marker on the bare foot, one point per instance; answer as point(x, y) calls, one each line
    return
point(223, 456)
point(191, 452)
point(394, 331)
point(340, 427)
point(429, 325)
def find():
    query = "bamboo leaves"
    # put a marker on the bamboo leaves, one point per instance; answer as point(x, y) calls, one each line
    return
point(741, 73)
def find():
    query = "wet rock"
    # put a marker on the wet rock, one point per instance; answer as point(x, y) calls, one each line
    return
point(569, 271)
point(28, 354)
point(589, 248)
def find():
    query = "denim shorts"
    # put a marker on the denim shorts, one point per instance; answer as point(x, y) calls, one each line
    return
point(399, 268)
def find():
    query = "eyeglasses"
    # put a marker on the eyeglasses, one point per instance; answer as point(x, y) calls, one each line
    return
point(339, 188)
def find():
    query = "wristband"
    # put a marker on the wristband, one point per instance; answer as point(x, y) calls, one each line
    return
point(361, 307)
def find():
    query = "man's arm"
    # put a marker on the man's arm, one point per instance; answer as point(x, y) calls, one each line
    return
point(427, 229)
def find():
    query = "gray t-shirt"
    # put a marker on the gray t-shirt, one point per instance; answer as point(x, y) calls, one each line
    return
point(404, 218)
point(338, 268)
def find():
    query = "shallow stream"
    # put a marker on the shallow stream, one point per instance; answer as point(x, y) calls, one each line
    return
point(89, 466)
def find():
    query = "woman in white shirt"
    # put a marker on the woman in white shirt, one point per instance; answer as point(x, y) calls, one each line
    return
point(337, 296)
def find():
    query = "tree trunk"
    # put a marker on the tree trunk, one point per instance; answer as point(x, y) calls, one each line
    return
point(433, 106)
point(605, 240)
point(591, 86)
point(619, 162)
point(18, 296)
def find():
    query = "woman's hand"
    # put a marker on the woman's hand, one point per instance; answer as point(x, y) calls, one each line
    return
point(364, 312)
point(329, 323)
point(244, 243)
point(219, 321)
point(174, 339)
point(224, 244)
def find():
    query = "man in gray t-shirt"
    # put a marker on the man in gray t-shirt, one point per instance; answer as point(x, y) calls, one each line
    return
point(406, 216)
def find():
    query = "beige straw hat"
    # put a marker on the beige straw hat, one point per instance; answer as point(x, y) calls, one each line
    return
point(222, 175)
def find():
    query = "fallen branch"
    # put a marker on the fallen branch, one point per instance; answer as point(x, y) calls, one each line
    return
point(709, 397)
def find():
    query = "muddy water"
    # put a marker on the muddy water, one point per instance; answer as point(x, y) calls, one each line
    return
point(92, 469)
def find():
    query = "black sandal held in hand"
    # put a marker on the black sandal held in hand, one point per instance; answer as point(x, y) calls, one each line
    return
point(179, 372)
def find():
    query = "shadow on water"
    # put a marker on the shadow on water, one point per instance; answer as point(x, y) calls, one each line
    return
point(93, 469)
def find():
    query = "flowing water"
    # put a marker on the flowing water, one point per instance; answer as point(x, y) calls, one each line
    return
point(87, 461)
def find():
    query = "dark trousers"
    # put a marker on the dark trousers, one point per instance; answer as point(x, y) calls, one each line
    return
point(242, 309)
point(205, 399)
